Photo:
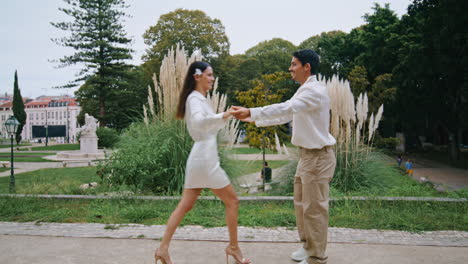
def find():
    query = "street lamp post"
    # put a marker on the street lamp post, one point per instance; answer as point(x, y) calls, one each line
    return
point(12, 126)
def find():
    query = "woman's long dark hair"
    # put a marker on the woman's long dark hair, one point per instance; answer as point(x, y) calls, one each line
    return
point(189, 86)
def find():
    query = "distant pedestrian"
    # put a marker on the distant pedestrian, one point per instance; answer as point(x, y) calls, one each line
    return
point(409, 167)
point(399, 160)
point(266, 173)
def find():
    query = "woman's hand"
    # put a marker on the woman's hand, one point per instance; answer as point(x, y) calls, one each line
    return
point(228, 113)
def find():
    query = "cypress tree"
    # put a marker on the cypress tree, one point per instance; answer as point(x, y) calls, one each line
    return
point(18, 108)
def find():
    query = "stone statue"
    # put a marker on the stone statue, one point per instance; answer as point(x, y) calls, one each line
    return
point(90, 125)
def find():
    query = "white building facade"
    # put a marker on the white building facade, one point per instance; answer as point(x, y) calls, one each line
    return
point(47, 111)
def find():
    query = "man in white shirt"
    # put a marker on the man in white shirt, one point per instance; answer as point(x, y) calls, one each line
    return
point(309, 109)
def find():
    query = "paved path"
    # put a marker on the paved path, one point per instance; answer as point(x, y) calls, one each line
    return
point(246, 234)
point(61, 250)
point(443, 176)
point(268, 157)
point(21, 167)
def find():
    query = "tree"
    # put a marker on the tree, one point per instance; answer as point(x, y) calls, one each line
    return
point(379, 39)
point(269, 89)
point(273, 55)
point(123, 103)
point(329, 46)
point(358, 80)
point(193, 29)
point(18, 108)
point(433, 59)
point(100, 45)
point(236, 74)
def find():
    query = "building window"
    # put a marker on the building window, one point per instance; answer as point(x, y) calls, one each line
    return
point(37, 116)
point(60, 115)
point(52, 114)
point(42, 116)
point(48, 114)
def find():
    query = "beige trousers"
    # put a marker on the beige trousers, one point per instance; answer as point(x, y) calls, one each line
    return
point(311, 194)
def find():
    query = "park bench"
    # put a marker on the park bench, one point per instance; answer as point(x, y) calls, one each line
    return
point(5, 164)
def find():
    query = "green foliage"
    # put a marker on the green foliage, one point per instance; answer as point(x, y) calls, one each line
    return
point(123, 105)
point(100, 45)
point(237, 72)
point(108, 137)
point(389, 143)
point(267, 90)
point(150, 158)
point(330, 46)
point(409, 216)
point(432, 67)
point(273, 55)
point(18, 109)
point(379, 40)
point(358, 80)
point(369, 177)
point(383, 92)
point(193, 29)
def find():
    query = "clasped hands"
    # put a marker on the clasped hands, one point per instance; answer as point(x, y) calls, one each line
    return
point(239, 112)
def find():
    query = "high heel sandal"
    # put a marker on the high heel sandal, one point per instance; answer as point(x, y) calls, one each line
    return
point(235, 252)
point(164, 258)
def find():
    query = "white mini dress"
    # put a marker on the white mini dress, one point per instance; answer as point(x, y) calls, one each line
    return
point(203, 169)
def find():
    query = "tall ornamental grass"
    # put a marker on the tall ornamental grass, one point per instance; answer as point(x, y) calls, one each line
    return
point(152, 154)
point(354, 132)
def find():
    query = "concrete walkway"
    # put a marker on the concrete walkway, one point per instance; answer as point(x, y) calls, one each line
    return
point(21, 167)
point(443, 176)
point(98, 243)
point(61, 250)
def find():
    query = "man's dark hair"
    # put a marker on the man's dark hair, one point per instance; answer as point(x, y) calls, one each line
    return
point(265, 163)
point(308, 56)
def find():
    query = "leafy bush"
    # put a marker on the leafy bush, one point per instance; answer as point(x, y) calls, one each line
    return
point(108, 137)
point(389, 143)
point(150, 158)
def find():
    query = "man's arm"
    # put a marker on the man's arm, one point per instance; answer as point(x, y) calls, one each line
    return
point(306, 101)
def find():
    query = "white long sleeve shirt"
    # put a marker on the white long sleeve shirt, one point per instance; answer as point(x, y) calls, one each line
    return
point(309, 109)
point(202, 121)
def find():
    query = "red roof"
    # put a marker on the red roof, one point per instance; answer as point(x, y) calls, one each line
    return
point(37, 103)
point(7, 104)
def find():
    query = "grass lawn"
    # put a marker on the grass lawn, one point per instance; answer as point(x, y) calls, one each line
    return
point(25, 157)
point(250, 151)
point(397, 215)
point(409, 216)
point(51, 181)
point(4, 169)
point(59, 147)
point(243, 167)
point(7, 145)
point(68, 180)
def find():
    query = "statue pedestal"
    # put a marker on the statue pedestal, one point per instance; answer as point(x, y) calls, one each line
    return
point(89, 144)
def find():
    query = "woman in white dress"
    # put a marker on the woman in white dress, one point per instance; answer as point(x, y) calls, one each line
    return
point(203, 169)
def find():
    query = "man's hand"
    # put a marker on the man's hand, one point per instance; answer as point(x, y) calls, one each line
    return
point(241, 113)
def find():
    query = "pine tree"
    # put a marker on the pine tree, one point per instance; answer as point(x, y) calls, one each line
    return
point(100, 45)
point(18, 108)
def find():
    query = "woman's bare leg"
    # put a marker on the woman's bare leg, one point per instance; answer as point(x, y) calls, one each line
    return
point(189, 197)
point(231, 202)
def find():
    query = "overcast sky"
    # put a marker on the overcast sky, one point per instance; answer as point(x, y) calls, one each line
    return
point(26, 31)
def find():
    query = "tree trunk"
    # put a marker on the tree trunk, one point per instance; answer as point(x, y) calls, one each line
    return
point(102, 111)
point(453, 147)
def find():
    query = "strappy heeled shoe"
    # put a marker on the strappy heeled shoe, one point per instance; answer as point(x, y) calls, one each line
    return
point(163, 257)
point(235, 252)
